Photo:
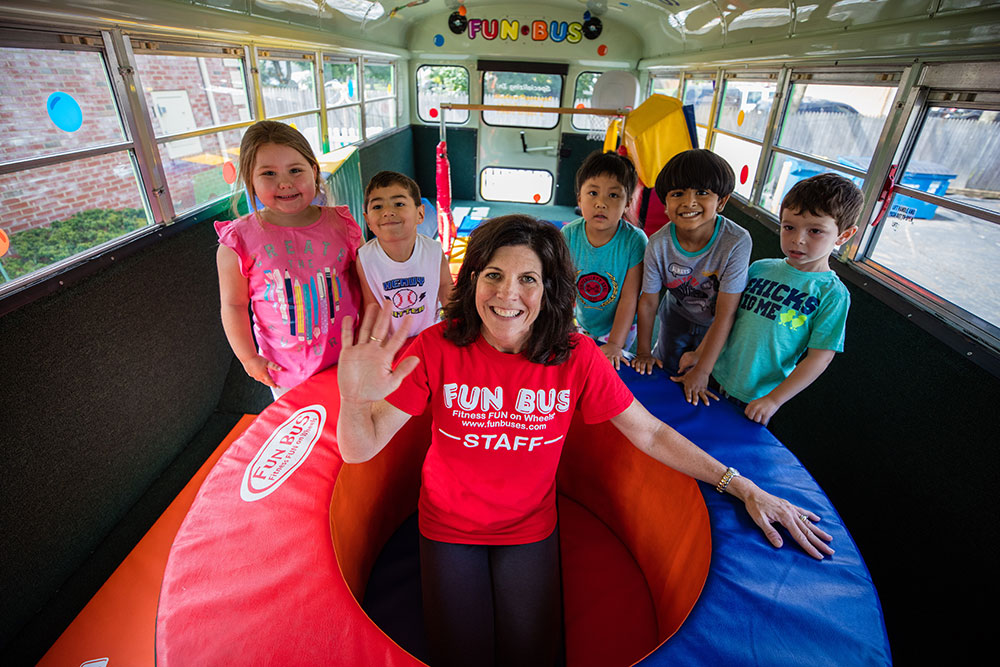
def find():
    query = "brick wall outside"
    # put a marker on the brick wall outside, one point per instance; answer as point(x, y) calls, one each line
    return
point(40, 196)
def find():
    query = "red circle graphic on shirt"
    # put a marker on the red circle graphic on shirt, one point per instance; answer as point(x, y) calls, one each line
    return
point(404, 298)
point(593, 287)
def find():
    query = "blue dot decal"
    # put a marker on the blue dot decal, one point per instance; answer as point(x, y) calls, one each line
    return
point(350, 88)
point(64, 111)
point(439, 40)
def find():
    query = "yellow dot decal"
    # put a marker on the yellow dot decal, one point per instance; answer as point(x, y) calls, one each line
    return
point(740, 117)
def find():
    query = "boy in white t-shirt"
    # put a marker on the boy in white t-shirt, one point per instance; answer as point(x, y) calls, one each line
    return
point(399, 265)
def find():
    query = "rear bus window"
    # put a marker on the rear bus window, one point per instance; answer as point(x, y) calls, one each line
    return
point(525, 89)
point(442, 83)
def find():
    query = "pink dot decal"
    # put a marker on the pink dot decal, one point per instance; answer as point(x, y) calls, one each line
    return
point(744, 174)
point(433, 112)
point(229, 172)
point(602, 50)
point(537, 198)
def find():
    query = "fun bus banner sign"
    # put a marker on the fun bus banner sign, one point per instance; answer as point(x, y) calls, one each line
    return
point(538, 31)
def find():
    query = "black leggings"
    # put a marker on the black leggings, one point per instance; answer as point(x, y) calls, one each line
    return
point(492, 605)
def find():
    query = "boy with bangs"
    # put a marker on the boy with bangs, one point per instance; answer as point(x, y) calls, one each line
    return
point(701, 258)
point(607, 252)
point(399, 265)
point(793, 306)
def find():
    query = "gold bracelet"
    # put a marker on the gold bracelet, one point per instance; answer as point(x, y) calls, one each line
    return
point(726, 479)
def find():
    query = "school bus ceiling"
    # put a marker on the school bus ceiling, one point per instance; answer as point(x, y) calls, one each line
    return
point(200, 20)
point(661, 32)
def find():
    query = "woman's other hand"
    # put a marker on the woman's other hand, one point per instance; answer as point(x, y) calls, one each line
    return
point(766, 509)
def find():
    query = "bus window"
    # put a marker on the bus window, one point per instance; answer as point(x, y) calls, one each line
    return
point(185, 94)
point(582, 92)
point(743, 118)
point(380, 98)
point(343, 101)
point(67, 169)
point(442, 83)
point(699, 91)
point(942, 229)
point(832, 121)
point(826, 127)
point(525, 89)
point(288, 85)
point(668, 84)
point(526, 186)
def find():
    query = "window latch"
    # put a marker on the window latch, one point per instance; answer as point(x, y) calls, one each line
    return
point(885, 196)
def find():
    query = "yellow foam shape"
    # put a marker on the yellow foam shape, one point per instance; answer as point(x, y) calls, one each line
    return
point(611, 136)
point(655, 132)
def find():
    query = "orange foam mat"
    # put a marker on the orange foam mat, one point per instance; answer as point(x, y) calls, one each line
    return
point(608, 610)
point(118, 625)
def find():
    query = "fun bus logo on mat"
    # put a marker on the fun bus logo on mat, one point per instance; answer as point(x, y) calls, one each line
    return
point(284, 451)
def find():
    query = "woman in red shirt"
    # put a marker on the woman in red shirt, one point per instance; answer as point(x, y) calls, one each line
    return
point(503, 373)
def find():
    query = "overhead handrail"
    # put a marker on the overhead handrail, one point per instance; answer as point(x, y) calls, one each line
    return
point(532, 109)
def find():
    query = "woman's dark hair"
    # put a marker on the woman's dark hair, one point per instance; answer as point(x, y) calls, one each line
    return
point(549, 342)
point(611, 164)
point(698, 168)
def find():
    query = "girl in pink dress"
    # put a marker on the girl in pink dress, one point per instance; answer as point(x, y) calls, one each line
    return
point(291, 261)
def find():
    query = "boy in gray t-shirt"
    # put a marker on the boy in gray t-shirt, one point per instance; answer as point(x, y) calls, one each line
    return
point(701, 258)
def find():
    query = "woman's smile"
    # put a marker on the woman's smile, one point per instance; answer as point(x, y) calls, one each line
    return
point(509, 296)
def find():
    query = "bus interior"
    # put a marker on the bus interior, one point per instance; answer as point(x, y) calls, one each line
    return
point(121, 124)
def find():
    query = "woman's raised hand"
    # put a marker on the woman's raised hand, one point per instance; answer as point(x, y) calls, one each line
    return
point(365, 372)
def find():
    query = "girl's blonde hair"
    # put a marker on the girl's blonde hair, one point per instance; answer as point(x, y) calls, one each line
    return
point(271, 132)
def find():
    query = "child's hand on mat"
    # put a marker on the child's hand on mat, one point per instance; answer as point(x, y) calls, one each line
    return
point(688, 361)
point(762, 409)
point(695, 385)
point(364, 371)
point(257, 367)
point(615, 355)
point(644, 362)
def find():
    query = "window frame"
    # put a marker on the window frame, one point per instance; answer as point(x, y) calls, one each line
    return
point(926, 87)
point(394, 95)
point(118, 48)
point(552, 186)
point(915, 87)
point(139, 45)
point(119, 66)
point(779, 77)
point(325, 58)
point(482, 100)
point(442, 114)
point(660, 73)
point(576, 84)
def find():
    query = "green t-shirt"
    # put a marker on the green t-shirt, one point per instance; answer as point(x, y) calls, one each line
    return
point(782, 313)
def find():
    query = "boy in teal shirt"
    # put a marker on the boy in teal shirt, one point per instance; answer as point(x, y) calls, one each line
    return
point(607, 252)
point(793, 306)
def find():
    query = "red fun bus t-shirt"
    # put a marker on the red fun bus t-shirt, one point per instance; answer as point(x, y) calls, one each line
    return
point(499, 423)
